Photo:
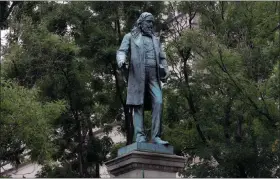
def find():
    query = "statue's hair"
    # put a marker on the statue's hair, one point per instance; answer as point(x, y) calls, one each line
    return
point(136, 27)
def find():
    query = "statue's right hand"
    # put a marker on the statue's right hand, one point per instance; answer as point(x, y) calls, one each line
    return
point(120, 63)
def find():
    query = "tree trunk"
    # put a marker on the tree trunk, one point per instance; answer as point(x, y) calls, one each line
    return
point(227, 117)
point(190, 95)
point(126, 108)
point(242, 173)
point(97, 170)
point(80, 149)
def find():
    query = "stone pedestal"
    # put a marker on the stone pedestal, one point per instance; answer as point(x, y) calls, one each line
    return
point(145, 160)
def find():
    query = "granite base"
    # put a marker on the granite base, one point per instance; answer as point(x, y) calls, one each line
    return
point(149, 161)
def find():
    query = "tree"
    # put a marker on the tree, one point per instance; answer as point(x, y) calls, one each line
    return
point(222, 97)
point(49, 59)
point(26, 124)
point(230, 121)
point(70, 55)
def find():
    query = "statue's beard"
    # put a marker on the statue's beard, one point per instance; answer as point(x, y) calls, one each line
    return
point(147, 30)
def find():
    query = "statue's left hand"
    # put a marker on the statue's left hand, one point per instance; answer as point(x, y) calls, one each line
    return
point(164, 79)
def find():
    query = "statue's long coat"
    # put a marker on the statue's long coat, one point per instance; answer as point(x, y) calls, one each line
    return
point(136, 94)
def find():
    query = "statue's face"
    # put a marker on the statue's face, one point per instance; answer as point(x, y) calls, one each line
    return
point(147, 25)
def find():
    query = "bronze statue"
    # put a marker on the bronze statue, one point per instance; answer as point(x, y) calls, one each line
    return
point(147, 68)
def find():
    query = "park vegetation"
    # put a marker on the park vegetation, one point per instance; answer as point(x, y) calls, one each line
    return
point(59, 80)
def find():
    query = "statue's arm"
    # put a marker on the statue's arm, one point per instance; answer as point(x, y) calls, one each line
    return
point(123, 50)
point(162, 57)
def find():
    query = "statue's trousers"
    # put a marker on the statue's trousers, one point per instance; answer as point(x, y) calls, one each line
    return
point(153, 88)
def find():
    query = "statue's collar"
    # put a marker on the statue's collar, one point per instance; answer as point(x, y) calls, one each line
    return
point(136, 32)
point(137, 37)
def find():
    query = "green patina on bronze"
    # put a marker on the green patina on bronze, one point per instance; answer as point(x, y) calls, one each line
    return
point(147, 61)
point(146, 147)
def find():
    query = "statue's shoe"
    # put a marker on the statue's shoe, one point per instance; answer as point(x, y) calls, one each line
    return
point(158, 140)
point(141, 139)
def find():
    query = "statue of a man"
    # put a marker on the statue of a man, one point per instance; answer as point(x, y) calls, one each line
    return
point(147, 68)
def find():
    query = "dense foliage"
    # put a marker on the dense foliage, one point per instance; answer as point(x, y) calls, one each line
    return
point(221, 103)
point(227, 89)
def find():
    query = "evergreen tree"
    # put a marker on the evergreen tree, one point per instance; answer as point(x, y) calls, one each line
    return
point(221, 103)
point(228, 116)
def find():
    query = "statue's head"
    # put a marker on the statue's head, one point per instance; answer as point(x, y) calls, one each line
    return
point(146, 23)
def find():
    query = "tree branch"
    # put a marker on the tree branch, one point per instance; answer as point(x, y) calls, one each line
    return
point(224, 69)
